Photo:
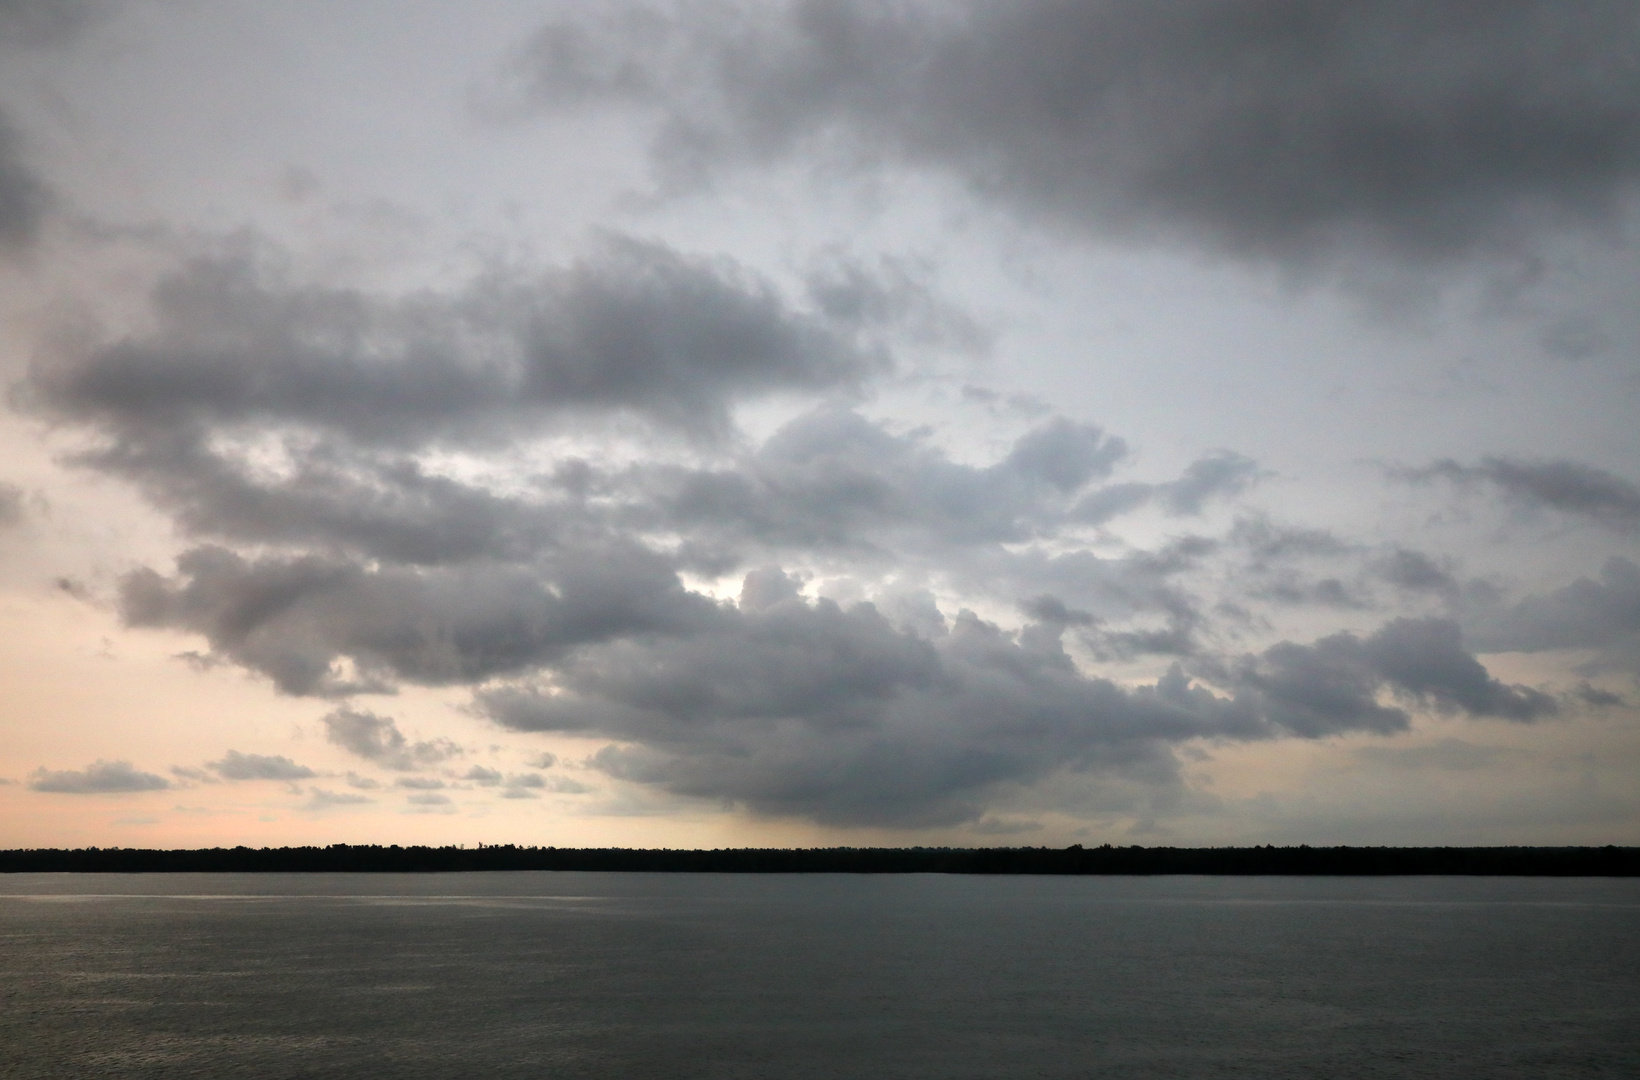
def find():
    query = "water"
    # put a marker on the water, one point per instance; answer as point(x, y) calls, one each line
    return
point(638, 975)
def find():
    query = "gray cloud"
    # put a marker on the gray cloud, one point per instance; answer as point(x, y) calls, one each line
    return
point(483, 777)
point(322, 799)
point(836, 479)
point(1279, 128)
point(1597, 698)
point(1426, 658)
point(11, 505)
point(793, 708)
point(530, 785)
point(99, 778)
point(378, 738)
point(1333, 684)
point(23, 196)
point(896, 297)
point(1568, 487)
point(44, 23)
point(371, 568)
point(296, 619)
point(400, 575)
point(1220, 475)
point(1602, 614)
point(633, 326)
point(1447, 755)
point(1217, 475)
point(813, 709)
point(1415, 571)
point(237, 766)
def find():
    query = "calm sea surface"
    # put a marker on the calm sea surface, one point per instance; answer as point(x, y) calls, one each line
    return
point(650, 975)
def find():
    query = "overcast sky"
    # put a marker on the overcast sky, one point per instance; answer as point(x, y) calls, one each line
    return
point(724, 423)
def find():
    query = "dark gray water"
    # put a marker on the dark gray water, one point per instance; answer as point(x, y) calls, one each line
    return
point(636, 975)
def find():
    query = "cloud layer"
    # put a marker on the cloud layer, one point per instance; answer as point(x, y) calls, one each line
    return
point(725, 529)
point(1278, 128)
point(294, 435)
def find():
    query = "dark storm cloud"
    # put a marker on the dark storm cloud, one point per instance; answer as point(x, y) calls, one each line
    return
point(103, 777)
point(813, 709)
point(378, 738)
point(237, 766)
point(832, 713)
point(1568, 487)
point(634, 327)
point(1286, 128)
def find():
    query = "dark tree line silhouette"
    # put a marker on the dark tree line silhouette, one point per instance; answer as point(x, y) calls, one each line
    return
point(1302, 860)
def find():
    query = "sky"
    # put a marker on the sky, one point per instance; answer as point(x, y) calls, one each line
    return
point(795, 423)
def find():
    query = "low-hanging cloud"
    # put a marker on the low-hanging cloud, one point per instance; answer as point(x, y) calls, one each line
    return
point(378, 739)
point(1600, 614)
point(237, 766)
point(99, 778)
point(816, 710)
point(296, 619)
point(1292, 129)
